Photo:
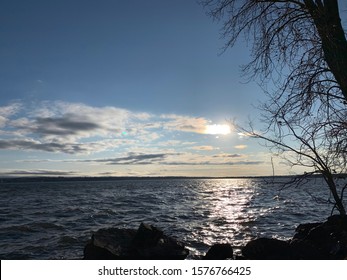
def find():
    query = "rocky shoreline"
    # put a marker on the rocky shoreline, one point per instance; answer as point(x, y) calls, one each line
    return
point(313, 241)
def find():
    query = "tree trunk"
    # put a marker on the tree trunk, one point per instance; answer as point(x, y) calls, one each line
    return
point(332, 186)
point(328, 22)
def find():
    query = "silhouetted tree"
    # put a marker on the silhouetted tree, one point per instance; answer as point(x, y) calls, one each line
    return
point(299, 53)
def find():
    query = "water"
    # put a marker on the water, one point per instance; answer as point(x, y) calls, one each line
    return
point(54, 220)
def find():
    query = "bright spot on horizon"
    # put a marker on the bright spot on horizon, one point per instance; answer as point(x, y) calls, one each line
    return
point(218, 129)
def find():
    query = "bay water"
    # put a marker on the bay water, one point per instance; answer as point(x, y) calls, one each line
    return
point(54, 220)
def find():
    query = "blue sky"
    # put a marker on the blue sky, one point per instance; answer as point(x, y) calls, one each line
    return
point(123, 87)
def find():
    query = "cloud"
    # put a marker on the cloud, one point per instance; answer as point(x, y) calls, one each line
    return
point(111, 139)
point(76, 128)
point(133, 158)
point(247, 162)
point(196, 125)
point(228, 155)
point(204, 163)
point(46, 147)
point(172, 158)
point(240, 147)
point(71, 127)
point(66, 125)
point(40, 172)
point(138, 159)
point(7, 111)
point(3, 121)
point(165, 158)
point(204, 148)
point(185, 123)
point(76, 121)
point(217, 159)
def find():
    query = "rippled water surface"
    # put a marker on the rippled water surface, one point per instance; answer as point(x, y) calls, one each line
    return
point(54, 220)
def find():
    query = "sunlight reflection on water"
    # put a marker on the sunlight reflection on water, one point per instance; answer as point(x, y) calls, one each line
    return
point(225, 202)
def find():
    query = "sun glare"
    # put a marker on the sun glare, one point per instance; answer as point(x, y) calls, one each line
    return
point(218, 129)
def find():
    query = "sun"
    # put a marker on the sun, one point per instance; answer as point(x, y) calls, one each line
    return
point(218, 129)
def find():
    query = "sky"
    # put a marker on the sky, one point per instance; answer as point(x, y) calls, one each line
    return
point(123, 88)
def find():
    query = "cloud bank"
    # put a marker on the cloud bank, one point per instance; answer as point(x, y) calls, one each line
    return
point(79, 134)
point(75, 128)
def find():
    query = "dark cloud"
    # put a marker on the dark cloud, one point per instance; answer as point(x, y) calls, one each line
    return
point(47, 147)
point(227, 156)
point(255, 162)
point(63, 126)
point(40, 172)
point(5, 144)
point(161, 159)
point(135, 159)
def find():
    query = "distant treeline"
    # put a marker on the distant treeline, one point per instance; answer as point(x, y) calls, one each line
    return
point(113, 178)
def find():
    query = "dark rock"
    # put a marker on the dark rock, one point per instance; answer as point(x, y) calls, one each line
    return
point(219, 252)
point(92, 252)
point(303, 229)
point(111, 243)
point(167, 249)
point(147, 242)
point(337, 221)
point(267, 249)
point(147, 236)
point(330, 237)
point(306, 250)
point(326, 240)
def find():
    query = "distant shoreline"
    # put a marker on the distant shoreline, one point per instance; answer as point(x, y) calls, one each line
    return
point(33, 179)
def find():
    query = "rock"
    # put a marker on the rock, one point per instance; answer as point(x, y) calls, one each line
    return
point(267, 249)
point(326, 240)
point(337, 221)
point(92, 252)
point(219, 252)
point(321, 237)
point(306, 250)
point(148, 242)
point(167, 249)
point(111, 243)
point(303, 229)
point(147, 236)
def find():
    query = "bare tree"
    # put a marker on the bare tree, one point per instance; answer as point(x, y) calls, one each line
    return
point(305, 146)
point(299, 53)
